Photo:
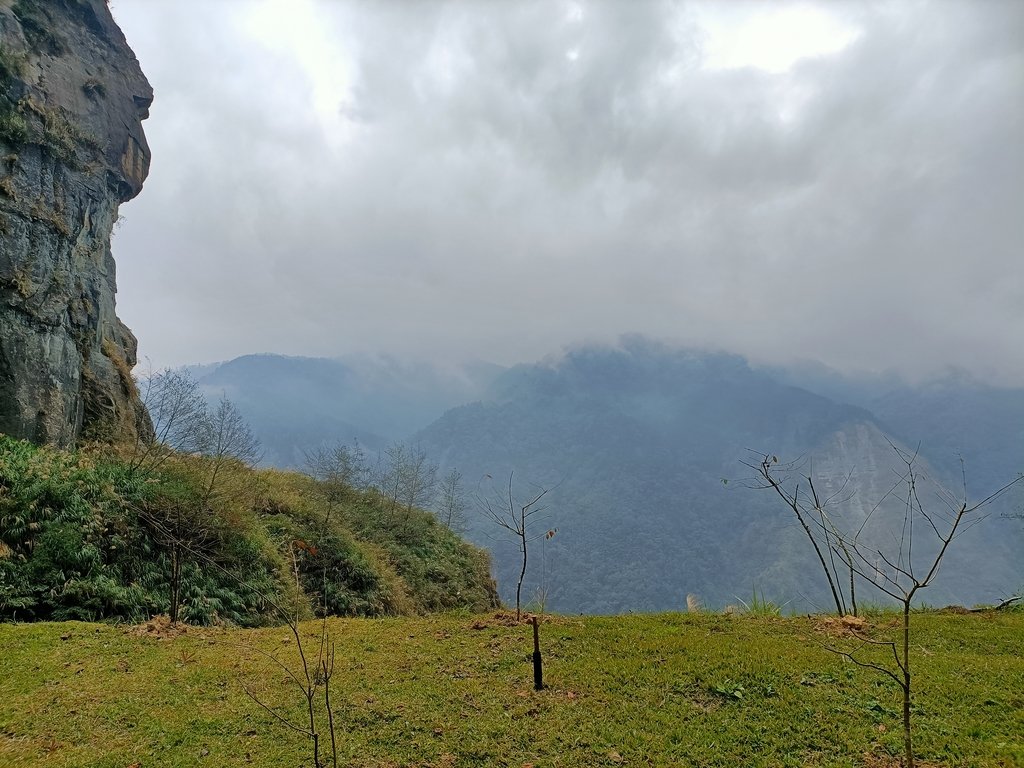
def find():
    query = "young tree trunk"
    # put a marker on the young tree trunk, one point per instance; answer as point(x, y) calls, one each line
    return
point(175, 580)
point(908, 747)
point(764, 469)
point(522, 573)
point(840, 608)
point(513, 520)
point(853, 586)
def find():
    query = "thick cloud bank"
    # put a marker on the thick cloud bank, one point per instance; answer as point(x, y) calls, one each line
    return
point(837, 182)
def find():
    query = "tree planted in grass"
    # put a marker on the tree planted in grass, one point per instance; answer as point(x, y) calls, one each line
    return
point(900, 571)
point(312, 675)
point(895, 573)
point(812, 512)
point(405, 478)
point(513, 516)
point(180, 523)
point(225, 439)
point(178, 412)
point(340, 468)
point(182, 516)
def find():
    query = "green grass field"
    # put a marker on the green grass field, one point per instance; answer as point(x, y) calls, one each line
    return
point(456, 690)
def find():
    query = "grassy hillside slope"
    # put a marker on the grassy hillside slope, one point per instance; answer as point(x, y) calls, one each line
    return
point(95, 536)
point(456, 690)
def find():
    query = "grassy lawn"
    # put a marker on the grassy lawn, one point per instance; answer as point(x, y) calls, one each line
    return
point(456, 690)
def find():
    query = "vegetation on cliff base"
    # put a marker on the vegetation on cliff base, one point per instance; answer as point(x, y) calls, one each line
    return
point(88, 536)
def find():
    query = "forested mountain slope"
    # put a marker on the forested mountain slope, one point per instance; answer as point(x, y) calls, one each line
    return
point(951, 416)
point(635, 443)
point(960, 417)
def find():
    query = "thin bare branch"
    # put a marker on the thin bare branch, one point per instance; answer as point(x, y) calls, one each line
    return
point(865, 664)
point(895, 567)
point(887, 643)
point(839, 492)
point(283, 720)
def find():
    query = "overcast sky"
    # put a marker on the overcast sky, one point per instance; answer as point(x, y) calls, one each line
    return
point(839, 182)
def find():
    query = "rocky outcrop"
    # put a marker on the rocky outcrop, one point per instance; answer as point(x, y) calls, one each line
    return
point(72, 98)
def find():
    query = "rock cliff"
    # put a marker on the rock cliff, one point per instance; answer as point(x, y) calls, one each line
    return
point(72, 149)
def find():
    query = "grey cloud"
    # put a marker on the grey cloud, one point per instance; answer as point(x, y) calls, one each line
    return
point(499, 199)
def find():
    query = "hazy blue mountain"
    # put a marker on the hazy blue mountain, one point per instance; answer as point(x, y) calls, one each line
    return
point(958, 416)
point(948, 417)
point(635, 442)
point(295, 403)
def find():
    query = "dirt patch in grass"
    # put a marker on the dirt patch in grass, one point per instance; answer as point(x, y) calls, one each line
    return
point(503, 619)
point(841, 626)
point(159, 627)
point(877, 760)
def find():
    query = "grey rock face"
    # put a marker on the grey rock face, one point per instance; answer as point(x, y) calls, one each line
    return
point(72, 100)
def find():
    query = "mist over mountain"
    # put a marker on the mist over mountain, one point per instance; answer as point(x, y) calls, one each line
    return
point(958, 417)
point(641, 447)
point(296, 403)
point(951, 417)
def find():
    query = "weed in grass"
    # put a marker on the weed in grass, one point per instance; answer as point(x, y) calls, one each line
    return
point(759, 606)
point(729, 690)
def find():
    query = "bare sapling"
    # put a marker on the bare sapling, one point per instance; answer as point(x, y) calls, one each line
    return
point(312, 676)
point(812, 511)
point(515, 516)
point(907, 567)
point(178, 413)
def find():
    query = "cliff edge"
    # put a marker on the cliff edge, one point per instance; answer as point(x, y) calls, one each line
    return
point(72, 149)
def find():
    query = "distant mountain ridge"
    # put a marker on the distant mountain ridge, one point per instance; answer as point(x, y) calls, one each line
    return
point(951, 416)
point(635, 442)
point(297, 403)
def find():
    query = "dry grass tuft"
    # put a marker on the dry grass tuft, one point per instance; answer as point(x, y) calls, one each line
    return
point(159, 628)
point(841, 626)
